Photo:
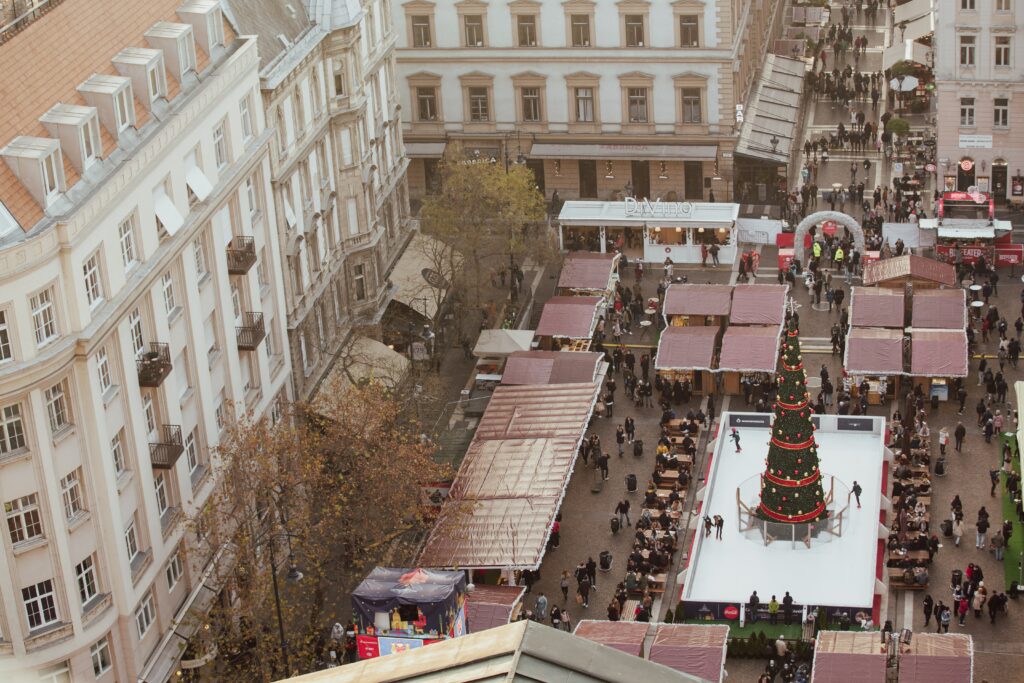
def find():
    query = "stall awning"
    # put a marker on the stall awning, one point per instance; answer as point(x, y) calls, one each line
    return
point(691, 649)
point(935, 658)
point(490, 606)
point(423, 274)
point(655, 213)
point(627, 636)
point(686, 348)
point(839, 653)
point(424, 150)
point(908, 50)
point(586, 271)
point(552, 150)
point(942, 309)
point(980, 232)
point(758, 305)
point(874, 351)
point(570, 317)
point(938, 353)
point(918, 28)
point(750, 349)
point(698, 300)
point(774, 111)
point(502, 343)
point(877, 308)
point(551, 367)
point(912, 267)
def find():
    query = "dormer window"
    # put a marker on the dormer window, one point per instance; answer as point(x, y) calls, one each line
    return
point(52, 172)
point(123, 110)
point(206, 20)
point(157, 81)
point(112, 98)
point(78, 130)
point(215, 23)
point(176, 43)
point(39, 166)
point(187, 54)
point(90, 139)
point(145, 67)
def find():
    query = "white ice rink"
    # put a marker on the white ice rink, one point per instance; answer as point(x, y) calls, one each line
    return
point(840, 572)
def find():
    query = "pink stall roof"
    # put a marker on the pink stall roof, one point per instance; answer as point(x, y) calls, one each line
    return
point(530, 411)
point(934, 658)
point(490, 606)
point(874, 351)
point(691, 649)
point(587, 271)
point(550, 367)
point(698, 300)
point(876, 308)
point(572, 317)
point(941, 309)
point(758, 305)
point(686, 348)
point(750, 349)
point(627, 636)
point(910, 267)
point(848, 657)
point(938, 353)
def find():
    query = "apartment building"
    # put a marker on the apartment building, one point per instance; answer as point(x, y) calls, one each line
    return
point(980, 91)
point(141, 307)
point(600, 98)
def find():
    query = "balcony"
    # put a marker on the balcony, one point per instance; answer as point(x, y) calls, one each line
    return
point(168, 447)
point(154, 364)
point(251, 332)
point(241, 255)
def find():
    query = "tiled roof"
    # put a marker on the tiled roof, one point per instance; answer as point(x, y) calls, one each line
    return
point(45, 63)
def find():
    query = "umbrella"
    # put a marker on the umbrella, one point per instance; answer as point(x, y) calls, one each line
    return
point(909, 83)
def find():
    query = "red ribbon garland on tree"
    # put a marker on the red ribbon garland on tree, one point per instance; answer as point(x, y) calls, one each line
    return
point(795, 519)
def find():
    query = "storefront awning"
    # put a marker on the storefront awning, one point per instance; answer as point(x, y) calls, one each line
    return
point(981, 233)
point(909, 267)
point(633, 213)
point(918, 28)
point(873, 351)
point(838, 653)
point(938, 353)
point(935, 658)
point(552, 367)
point(877, 308)
point(774, 111)
point(909, 50)
point(588, 271)
point(915, 9)
point(550, 150)
point(424, 150)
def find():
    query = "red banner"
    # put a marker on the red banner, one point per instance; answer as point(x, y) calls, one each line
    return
point(785, 240)
point(785, 258)
point(969, 253)
point(367, 647)
point(1011, 255)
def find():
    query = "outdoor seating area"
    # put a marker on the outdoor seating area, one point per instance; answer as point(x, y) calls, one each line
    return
point(910, 544)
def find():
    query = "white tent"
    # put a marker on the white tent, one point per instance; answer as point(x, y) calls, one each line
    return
point(502, 343)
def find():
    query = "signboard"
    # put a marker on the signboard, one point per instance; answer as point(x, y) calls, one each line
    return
point(785, 258)
point(367, 647)
point(645, 208)
point(976, 197)
point(855, 424)
point(1010, 255)
point(750, 420)
point(731, 612)
point(1017, 186)
point(739, 113)
point(930, 168)
point(392, 646)
point(969, 253)
point(869, 257)
point(974, 142)
point(897, 168)
point(829, 228)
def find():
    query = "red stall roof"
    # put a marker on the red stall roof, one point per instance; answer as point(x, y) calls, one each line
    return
point(934, 658)
point(551, 367)
point(686, 348)
point(691, 649)
point(698, 299)
point(573, 317)
point(876, 308)
point(490, 606)
point(942, 309)
point(750, 349)
point(912, 267)
point(938, 353)
point(758, 305)
point(849, 657)
point(874, 351)
point(587, 271)
point(627, 636)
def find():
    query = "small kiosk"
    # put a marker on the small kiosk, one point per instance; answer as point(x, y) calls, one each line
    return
point(917, 271)
point(874, 307)
point(748, 353)
point(876, 355)
point(936, 357)
point(688, 354)
point(567, 323)
point(939, 309)
point(758, 305)
point(689, 305)
point(589, 274)
point(937, 658)
point(838, 653)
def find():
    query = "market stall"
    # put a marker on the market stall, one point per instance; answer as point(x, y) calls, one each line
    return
point(695, 650)
point(568, 323)
point(748, 353)
point(875, 307)
point(838, 654)
point(552, 367)
point(626, 636)
point(936, 357)
point(492, 606)
point(939, 309)
point(397, 610)
point(935, 658)
point(876, 355)
point(758, 305)
point(589, 274)
point(494, 346)
point(688, 354)
point(697, 305)
point(899, 271)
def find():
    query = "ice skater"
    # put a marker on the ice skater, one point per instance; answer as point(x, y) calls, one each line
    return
point(735, 436)
point(856, 492)
point(719, 527)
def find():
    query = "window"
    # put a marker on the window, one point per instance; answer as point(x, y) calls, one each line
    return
point(359, 279)
point(636, 100)
point(157, 82)
point(220, 144)
point(253, 197)
point(1003, 51)
point(580, 27)
point(168, 219)
point(187, 54)
point(1003, 5)
point(90, 139)
point(135, 331)
point(339, 78)
point(5, 338)
point(634, 24)
point(57, 407)
point(966, 111)
point(167, 285)
point(23, 522)
point(122, 108)
point(100, 653)
point(298, 112)
point(103, 370)
point(192, 452)
point(426, 103)
point(689, 31)
point(149, 412)
point(526, 29)
point(43, 317)
point(691, 105)
point(220, 412)
point(117, 452)
point(58, 673)
point(967, 50)
point(479, 105)
point(160, 486)
point(420, 31)
point(175, 570)
point(51, 174)
point(145, 615)
point(531, 104)
point(85, 571)
point(1001, 112)
point(131, 541)
point(282, 130)
point(303, 352)
point(967, 5)
point(93, 287)
point(210, 330)
point(71, 493)
point(199, 254)
point(12, 431)
point(245, 114)
point(40, 606)
point(126, 231)
point(473, 25)
point(584, 105)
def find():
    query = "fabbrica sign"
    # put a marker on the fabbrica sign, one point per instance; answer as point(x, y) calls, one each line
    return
point(645, 208)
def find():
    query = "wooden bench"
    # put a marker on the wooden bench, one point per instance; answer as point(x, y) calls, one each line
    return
point(629, 610)
point(896, 581)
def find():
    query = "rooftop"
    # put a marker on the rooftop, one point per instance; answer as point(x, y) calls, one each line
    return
point(909, 266)
point(272, 21)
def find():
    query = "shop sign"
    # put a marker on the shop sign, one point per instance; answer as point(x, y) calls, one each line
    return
point(969, 253)
point(1010, 255)
point(367, 647)
point(975, 142)
point(731, 612)
point(739, 113)
point(966, 165)
point(1017, 186)
point(645, 208)
point(930, 168)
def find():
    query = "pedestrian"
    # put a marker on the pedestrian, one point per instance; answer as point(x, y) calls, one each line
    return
point(719, 527)
point(583, 592)
point(752, 606)
point(961, 610)
point(592, 572)
point(556, 617)
point(735, 436)
point(602, 463)
point(944, 617)
point(998, 545)
point(620, 439)
point(630, 429)
point(993, 475)
point(958, 435)
point(622, 510)
point(982, 526)
point(943, 440)
point(773, 610)
point(564, 585)
point(540, 607)
point(928, 606)
point(958, 531)
point(708, 524)
point(857, 490)
point(787, 608)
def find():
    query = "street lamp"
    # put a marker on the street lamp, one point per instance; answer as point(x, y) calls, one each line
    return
point(293, 576)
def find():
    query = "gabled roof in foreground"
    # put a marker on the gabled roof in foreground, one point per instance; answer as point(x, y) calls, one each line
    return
point(912, 266)
point(521, 651)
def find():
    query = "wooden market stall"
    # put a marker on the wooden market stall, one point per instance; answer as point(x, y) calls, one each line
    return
point(758, 305)
point(937, 658)
point(876, 355)
point(936, 358)
point(838, 654)
point(568, 323)
point(748, 353)
point(918, 271)
point(586, 273)
point(877, 307)
point(687, 305)
point(939, 309)
point(687, 354)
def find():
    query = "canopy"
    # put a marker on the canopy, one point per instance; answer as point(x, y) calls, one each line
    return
point(586, 271)
point(758, 305)
point(909, 266)
point(424, 274)
point(982, 232)
point(938, 353)
point(935, 658)
point(686, 348)
point(551, 367)
point(515, 468)
point(874, 351)
point(944, 309)
point(918, 28)
point(774, 111)
point(911, 234)
point(849, 657)
point(691, 649)
point(698, 300)
point(915, 9)
point(502, 343)
point(876, 307)
point(750, 349)
point(490, 606)
point(554, 150)
point(424, 150)
point(639, 213)
point(908, 50)
point(572, 317)
point(435, 593)
point(627, 636)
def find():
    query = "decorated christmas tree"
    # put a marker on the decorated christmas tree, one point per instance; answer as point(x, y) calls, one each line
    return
point(791, 484)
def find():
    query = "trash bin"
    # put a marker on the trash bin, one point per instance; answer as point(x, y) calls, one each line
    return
point(605, 560)
point(956, 578)
point(935, 402)
point(631, 483)
point(638, 448)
